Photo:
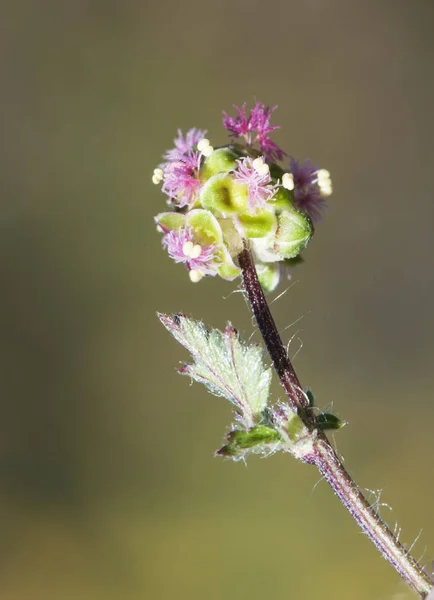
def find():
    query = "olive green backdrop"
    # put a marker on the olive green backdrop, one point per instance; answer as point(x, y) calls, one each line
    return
point(108, 485)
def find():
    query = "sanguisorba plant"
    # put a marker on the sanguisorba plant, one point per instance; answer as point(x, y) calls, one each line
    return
point(235, 211)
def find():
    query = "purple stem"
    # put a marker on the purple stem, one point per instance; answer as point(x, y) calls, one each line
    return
point(323, 455)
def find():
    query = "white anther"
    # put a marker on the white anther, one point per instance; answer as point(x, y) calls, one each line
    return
point(324, 182)
point(202, 144)
point(195, 275)
point(205, 147)
point(260, 166)
point(158, 175)
point(196, 251)
point(208, 151)
point(187, 248)
point(323, 174)
point(288, 181)
point(325, 189)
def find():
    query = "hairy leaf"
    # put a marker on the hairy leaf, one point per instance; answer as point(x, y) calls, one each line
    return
point(224, 364)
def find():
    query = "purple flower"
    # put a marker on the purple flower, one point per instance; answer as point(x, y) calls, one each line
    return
point(255, 128)
point(307, 193)
point(185, 145)
point(256, 175)
point(199, 259)
point(181, 181)
point(239, 126)
point(271, 150)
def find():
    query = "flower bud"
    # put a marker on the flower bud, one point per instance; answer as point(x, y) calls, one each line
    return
point(294, 231)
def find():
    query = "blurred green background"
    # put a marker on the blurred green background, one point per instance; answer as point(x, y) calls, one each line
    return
point(108, 485)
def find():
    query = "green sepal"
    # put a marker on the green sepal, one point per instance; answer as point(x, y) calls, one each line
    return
point(231, 236)
point(221, 160)
point(228, 269)
point(281, 200)
point(223, 196)
point(329, 421)
point(205, 226)
point(171, 221)
point(258, 225)
point(268, 275)
point(293, 233)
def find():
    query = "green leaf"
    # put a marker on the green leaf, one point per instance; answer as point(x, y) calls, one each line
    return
point(224, 364)
point(329, 421)
point(254, 436)
point(310, 397)
point(257, 438)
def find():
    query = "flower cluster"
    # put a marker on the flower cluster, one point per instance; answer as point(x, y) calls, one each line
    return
point(224, 198)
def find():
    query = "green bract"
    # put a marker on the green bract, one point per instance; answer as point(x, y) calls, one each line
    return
point(221, 160)
point(223, 196)
point(259, 225)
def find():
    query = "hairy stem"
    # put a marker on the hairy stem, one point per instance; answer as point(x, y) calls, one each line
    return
point(323, 455)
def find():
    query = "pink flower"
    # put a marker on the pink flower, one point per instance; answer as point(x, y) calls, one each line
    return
point(255, 128)
point(181, 181)
point(185, 145)
point(239, 126)
point(182, 247)
point(257, 180)
point(307, 194)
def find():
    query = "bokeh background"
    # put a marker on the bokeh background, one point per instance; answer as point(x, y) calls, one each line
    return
point(108, 485)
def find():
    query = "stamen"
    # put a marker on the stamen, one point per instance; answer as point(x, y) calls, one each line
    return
point(195, 275)
point(187, 248)
point(324, 182)
point(158, 175)
point(260, 166)
point(196, 251)
point(205, 147)
point(288, 181)
point(323, 174)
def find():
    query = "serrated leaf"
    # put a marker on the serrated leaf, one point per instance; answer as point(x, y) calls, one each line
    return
point(224, 364)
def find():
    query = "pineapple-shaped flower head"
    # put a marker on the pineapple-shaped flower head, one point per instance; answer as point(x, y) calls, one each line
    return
point(224, 198)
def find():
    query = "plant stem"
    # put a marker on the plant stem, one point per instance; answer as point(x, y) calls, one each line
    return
point(323, 455)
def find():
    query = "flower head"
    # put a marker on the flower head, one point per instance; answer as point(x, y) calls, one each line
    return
point(222, 198)
point(308, 191)
point(256, 175)
point(255, 128)
point(199, 259)
point(183, 145)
